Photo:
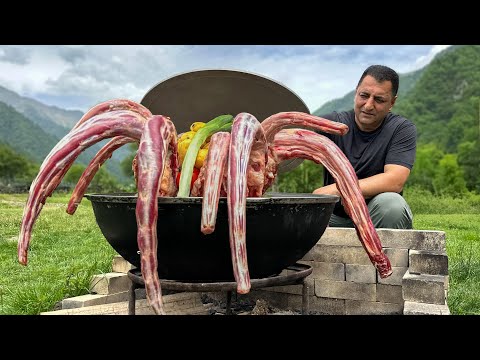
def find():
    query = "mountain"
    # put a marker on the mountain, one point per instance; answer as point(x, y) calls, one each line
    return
point(407, 82)
point(51, 119)
point(442, 98)
point(39, 127)
point(444, 104)
point(24, 136)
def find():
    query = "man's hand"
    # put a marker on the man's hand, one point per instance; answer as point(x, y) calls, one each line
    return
point(392, 180)
point(327, 190)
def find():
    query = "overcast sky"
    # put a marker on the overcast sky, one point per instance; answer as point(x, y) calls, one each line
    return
point(79, 76)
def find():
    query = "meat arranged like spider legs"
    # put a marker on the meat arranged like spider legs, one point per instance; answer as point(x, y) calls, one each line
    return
point(239, 165)
point(299, 143)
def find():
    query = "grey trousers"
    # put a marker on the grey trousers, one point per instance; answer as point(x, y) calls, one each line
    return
point(388, 210)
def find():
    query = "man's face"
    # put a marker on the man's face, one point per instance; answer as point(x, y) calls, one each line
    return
point(373, 101)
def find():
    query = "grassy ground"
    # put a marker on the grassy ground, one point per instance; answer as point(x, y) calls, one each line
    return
point(67, 250)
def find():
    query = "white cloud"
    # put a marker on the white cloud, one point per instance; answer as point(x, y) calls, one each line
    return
point(78, 77)
point(425, 59)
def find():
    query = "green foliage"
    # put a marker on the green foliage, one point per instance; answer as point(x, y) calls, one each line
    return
point(422, 201)
point(102, 181)
point(303, 179)
point(426, 165)
point(407, 82)
point(126, 163)
point(443, 101)
point(469, 160)
point(29, 139)
point(24, 136)
point(448, 179)
point(14, 166)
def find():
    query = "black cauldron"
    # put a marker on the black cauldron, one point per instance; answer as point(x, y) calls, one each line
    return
point(281, 229)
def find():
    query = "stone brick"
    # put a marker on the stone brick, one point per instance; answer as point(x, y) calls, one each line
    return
point(93, 299)
point(340, 254)
point(424, 288)
point(428, 262)
point(174, 304)
point(356, 307)
point(326, 306)
point(416, 308)
point(345, 290)
point(397, 257)
point(413, 239)
point(360, 273)
point(390, 294)
point(119, 264)
point(110, 283)
point(396, 278)
point(293, 289)
point(340, 236)
point(328, 271)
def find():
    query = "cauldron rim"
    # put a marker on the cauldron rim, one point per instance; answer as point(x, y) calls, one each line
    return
point(281, 229)
point(268, 198)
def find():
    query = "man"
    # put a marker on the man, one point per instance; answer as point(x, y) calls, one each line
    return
point(381, 147)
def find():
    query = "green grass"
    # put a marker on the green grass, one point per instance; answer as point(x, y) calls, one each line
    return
point(66, 251)
point(459, 218)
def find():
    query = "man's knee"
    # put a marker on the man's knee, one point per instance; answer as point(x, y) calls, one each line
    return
point(390, 210)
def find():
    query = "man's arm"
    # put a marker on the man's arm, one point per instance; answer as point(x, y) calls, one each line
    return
point(392, 179)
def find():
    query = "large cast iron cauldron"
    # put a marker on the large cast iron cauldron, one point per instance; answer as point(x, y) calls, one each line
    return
point(281, 229)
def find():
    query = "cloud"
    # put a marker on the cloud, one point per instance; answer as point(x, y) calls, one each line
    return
point(80, 76)
point(14, 55)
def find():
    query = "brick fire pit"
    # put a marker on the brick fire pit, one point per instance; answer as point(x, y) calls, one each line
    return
point(343, 281)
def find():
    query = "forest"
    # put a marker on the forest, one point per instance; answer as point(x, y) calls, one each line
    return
point(442, 99)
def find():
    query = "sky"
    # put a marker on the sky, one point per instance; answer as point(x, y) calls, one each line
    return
point(77, 77)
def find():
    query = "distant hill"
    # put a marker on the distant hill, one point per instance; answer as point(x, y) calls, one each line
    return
point(445, 101)
point(51, 119)
point(442, 98)
point(407, 82)
point(23, 136)
point(26, 117)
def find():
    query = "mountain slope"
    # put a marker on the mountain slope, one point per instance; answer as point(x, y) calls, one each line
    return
point(445, 102)
point(51, 119)
point(55, 122)
point(29, 139)
point(22, 135)
point(407, 82)
point(442, 99)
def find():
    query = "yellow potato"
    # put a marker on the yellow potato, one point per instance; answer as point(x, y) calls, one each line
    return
point(197, 125)
point(201, 156)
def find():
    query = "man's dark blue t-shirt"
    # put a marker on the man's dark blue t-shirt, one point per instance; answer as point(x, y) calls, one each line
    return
point(394, 142)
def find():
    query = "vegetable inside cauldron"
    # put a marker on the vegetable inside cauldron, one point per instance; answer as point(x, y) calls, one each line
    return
point(281, 229)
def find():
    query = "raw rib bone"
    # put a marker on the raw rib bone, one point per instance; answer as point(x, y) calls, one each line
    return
point(299, 143)
point(217, 156)
point(247, 137)
point(157, 145)
point(52, 170)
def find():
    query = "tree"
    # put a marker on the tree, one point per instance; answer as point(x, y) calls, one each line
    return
point(449, 179)
point(426, 165)
point(303, 179)
point(469, 160)
point(126, 164)
point(14, 166)
point(102, 181)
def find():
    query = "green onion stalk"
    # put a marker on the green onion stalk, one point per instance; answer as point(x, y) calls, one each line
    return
point(220, 123)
